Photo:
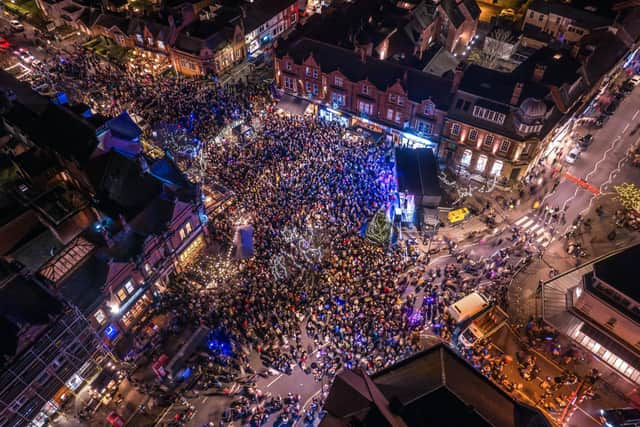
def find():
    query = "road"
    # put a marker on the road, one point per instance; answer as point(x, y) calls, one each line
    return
point(603, 164)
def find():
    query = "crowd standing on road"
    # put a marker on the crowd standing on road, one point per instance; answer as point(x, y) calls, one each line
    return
point(315, 294)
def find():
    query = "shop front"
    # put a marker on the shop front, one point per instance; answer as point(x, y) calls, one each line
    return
point(331, 115)
point(188, 254)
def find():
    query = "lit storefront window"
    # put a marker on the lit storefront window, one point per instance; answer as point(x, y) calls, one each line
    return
point(187, 255)
point(496, 169)
point(481, 164)
point(466, 158)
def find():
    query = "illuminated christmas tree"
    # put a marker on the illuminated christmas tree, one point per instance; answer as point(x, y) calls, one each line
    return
point(629, 196)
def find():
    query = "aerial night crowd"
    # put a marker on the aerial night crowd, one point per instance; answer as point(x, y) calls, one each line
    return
point(316, 293)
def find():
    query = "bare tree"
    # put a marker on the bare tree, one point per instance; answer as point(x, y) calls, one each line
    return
point(499, 44)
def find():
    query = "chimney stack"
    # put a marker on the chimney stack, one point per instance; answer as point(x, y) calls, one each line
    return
point(107, 237)
point(457, 78)
point(538, 72)
point(123, 222)
point(515, 96)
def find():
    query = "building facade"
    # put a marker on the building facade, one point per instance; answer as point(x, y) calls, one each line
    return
point(563, 21)
point(597, 306)
point(55, 353)
point(355, 89)
point(265, 21)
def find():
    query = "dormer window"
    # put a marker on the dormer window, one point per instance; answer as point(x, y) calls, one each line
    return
point(428, 109)
point(338, 81)
point(489, 115)
point(287, 65)
point(365, 89)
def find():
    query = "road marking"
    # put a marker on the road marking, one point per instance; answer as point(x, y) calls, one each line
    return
point(636, 114)
point(528, 223)
point(588, 414)
point(625, 128)
point(541, 238)
point(204, 399)
point(521, 220)
point(534, 228)
point(276, 379)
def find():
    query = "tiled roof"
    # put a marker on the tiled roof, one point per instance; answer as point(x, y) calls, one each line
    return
point(498, 86)
point(434, 387)
point(453, 12)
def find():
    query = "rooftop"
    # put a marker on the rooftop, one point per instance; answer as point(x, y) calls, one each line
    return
point(23, 303)
point(589, 14)
point(617, 271)
point(497, 86)
point(435, 388)
point(261, 11)
point(560, 67)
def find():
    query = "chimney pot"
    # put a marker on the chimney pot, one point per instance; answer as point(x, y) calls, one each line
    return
point(517, 92)
point(538, 72)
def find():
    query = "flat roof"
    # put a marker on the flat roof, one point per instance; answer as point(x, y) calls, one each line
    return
point(618, 271)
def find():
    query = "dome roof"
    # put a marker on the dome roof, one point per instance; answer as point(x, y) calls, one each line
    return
point(533, 108)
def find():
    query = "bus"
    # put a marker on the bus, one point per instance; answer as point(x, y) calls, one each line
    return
point(468, 307)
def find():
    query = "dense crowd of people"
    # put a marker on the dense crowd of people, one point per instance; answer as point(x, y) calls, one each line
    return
point(316, 293)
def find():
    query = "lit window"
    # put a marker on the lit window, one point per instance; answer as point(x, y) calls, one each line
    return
point(473, 134)
point(389, 114)
point(481, 164)
point(287, 66)
point(400, 101)
point(307, 71)
point(188, 227)
point(315, 73)
point(100, 317)
point(338, 81)
point(338, 99)
point(147, 268)
point(496, 169)
point(428, 109)
point(455, 129)
point(424, 127)
point(121, 294)
point(365, 107)
point(466, 158)
point(182, 234)
point(398, 118)
point(129, 286)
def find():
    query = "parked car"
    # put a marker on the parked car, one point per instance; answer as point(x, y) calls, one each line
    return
point(627, 86)
point(612, 107)
point(16, 26)
point(572, 156)
point(508, 13)
point(585, 141)
point(4, 44)
point(23, 54)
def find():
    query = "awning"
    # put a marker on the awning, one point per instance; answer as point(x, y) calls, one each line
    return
point(293, 104)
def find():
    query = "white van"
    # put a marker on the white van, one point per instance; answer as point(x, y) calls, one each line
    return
point(483, 326)
point(468, 307)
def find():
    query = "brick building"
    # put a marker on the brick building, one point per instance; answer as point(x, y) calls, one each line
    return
point(355, 89)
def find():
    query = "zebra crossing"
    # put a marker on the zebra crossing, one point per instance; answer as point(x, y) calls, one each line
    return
point(542, 235)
